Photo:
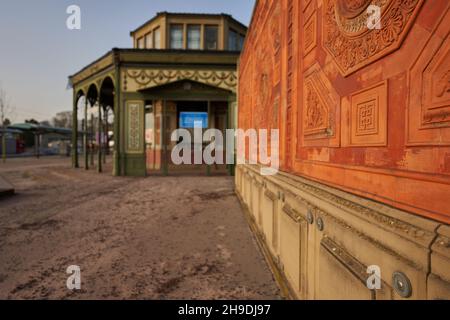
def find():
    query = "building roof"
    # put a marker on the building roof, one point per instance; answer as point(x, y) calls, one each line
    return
point(161, 57)
point(37, 127)
point(182, 14)
point(13, 131)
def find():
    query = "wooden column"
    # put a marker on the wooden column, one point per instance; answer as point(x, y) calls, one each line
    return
point(208, 167)
point(37, 145)
point(75, 163)
point(106, 131)
point(164, 139)
point(92, 133)
point(85, 136)
point(116, 108)
point(100, 144)
point(231, 125)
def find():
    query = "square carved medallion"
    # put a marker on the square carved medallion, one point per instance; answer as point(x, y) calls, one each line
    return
point(368, 118)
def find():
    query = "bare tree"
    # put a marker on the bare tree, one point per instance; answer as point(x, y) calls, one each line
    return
point(63, 120)
point(6, 110)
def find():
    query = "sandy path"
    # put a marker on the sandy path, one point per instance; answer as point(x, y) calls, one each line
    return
point(153, 238)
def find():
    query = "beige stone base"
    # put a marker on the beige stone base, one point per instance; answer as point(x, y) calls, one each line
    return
point(322, 240)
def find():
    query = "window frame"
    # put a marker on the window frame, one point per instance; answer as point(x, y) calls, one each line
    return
point(181, 29)
point(141, 41)
point(208, 26)
point(157, 44)
point(188, 27)
point(236, 40)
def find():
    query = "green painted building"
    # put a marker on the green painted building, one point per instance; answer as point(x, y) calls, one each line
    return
point(180, 64)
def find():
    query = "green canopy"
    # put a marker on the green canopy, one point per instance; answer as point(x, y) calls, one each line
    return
point(39, 128)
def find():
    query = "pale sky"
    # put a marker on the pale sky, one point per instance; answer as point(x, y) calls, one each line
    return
point(38, 52)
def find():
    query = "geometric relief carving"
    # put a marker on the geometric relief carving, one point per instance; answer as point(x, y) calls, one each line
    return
point(428, 116)
point(139, 79)
point(320, 110)
point(367, 113)
point(310, 34)
point(306, 4)
point(316, 112)
point(291, 67)
point(263, 83)
point(436, 90)
point(275, 32)
point(275, 27)
point(135, 121)
point(368, 119)
point(349, 40)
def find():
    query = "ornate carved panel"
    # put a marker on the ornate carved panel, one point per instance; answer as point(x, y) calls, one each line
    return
point(368, 118)
point(135, 127)
point(350, 41)
point(429, 101)
point(263, 83)
point(275, 31)
point(290, 80)
point(310, 34)
point(306, 4)
point(275, 27)
point(317, 119)
point(436, 90)
point(139, 79)
point(320, 110)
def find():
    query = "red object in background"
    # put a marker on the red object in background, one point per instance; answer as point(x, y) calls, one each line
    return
point(20, 146)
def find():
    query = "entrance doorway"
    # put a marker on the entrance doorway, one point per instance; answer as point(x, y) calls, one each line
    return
point(162, 118)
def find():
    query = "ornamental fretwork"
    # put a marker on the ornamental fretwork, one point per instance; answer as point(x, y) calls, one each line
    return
point(139, 79)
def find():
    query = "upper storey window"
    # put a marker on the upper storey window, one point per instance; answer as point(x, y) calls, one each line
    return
point(149, 41)
point(141, 43)
point(176, 36)
point(157, 38)
point(235, 41)
point(211, 37)
point(193, 35)
point(241, 41)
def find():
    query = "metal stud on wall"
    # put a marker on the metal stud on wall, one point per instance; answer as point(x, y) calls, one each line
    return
point(320, 224)
point(310, 217)
point(401, 284)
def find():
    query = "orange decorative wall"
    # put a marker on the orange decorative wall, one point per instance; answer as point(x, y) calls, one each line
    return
point(364, 110)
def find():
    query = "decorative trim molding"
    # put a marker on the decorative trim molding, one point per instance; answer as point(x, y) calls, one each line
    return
point(140, 79)
point(403, 228)
point(134, 113)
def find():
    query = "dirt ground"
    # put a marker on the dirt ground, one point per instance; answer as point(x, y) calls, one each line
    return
point(133, 238)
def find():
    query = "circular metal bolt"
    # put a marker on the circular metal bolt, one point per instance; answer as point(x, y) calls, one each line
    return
point(320, 224)
point(401, 284)
point(310, 217)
